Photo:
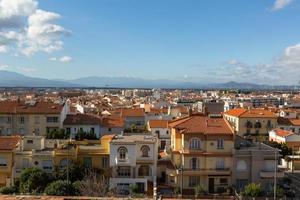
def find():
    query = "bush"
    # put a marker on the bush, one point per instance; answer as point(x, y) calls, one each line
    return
point(252, 190)
point(76, 172)
point(60, 188)
point(200, 190)
point(33, 180)
point(81, 135)
point(8, 190)
point(58, 134)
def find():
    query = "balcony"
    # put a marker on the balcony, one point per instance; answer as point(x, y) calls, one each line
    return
point(270, 174)
point(205, 171)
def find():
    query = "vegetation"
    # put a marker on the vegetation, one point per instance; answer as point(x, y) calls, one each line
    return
point(252, 190)
point(81, 135)
point(76, 172)
point(33, 180)
point(133, 189)
point(58, 134)
point(136, 129)
point(8, 190)
point(200, 190)
point(60, 188)
point(285, 150)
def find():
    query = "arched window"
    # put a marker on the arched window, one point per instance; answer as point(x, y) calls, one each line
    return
point(144, 170)
point(241, 165)
point(195, 143)
point(145, 151)
point(248, 124)
point(122, 152)
point(257, 124)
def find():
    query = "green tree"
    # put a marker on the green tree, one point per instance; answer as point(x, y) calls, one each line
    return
point(285, 150)
point(58, 134)
point(76, 172)
point(9, 190)
point(252, 190)
point(33, 180)
point(60, 188)
point(199, 190)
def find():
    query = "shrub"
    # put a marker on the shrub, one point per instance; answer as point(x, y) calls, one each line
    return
point(8, 190)
point(252, 190)
point(33, 180)
point(200, 190)
point(60, 188)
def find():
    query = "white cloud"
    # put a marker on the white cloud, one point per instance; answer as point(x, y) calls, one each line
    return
point(4, 67)
point(3, 48)
point(29, 30)
point(64, 59)
point(280, 4)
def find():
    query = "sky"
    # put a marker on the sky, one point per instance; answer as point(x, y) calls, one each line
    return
point(206, 41)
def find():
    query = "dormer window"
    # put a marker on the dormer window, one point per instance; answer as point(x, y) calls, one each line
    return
point(195, 143)
point(145, 151)
point(122, 152)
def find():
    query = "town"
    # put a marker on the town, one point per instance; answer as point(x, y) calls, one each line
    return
point(177, 143)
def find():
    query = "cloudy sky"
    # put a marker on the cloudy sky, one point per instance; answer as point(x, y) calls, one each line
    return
point(255, 41)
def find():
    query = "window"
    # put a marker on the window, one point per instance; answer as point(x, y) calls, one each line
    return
point(145, 151)
point(37, 131)
point(105, 162)
point(3, 162)
point(223, 181)
point(22, 120)
point(167, 132)
point(220, 165)
point(64, 162)
point(92, 130)
point(194, 163)
point(109, 129)
point(87, 162)
point(257, 124)
point(8, 120)
point(52, 119)
point(241, 165)
point(194, 181)
point(68, 130)
point(21, 131)
point(122, 152)
point(8, 131)
point(144, 170)
point(157, 133)
point(29, 141)
point(37, 119)
point(195, 143)
point(47, 164)
point(220, 143)
point(124, 171)
point(25, 163)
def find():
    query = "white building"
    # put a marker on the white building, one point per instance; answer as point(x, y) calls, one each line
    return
point(133, 159)
point(160, 129)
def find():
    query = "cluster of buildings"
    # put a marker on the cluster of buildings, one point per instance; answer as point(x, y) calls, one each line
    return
point(154, 139)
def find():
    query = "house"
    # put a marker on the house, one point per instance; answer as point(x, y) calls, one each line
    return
point(82, 122)
point(253, 124)
point(7, 146)
point(112, 125)
point(289, 124)
point(133, 159)
point(133, 117)
point(283, 136)
point(160, 129)
point(254, 162)
point(202, 150)
point(31, 117)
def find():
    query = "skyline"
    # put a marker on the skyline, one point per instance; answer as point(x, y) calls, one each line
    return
point(198, 41)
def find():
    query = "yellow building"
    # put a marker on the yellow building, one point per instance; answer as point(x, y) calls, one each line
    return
point(7, 147)
point(252, 124)
point(90, 153)
point(203, 148)
point(31, 118)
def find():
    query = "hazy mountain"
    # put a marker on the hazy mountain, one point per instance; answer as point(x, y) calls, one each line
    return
point(13, 79)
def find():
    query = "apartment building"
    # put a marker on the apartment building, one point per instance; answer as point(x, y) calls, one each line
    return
point(133, 159)
point(31, 117)
point(7, 146)
point(82, 123)
point(253, 124)
point(255, 162)
point(133, 117)
point(202, 150)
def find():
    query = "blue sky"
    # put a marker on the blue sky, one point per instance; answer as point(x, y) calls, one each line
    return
point(191, 40)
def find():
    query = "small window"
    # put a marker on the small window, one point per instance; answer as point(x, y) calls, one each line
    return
point(167, 132)
point(22, 120)
point(109, 129)
point(92, 130)
point(3, 162)
point(29, 141)
point(145, 151)
point(195, 143)
point(122, 152)
point(220, 143)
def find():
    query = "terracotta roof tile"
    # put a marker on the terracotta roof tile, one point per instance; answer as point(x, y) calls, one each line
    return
point(158, 124)
point(132, 112)
point(82, 119)
point(9, 142)
point(283, 133)
point(252, 113)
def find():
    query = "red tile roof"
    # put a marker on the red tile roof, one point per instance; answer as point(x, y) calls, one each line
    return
point(158, 124)
point(290, 122)
point(82, 119)
point(252, 113)
point(202, 124)
point(11, 107)
point(132, 112)
point(113, 122)
point(9, 142)
point(283, 133)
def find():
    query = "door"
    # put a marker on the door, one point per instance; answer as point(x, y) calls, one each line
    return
point(163, 177)
point(211, 184)
point(162, 144)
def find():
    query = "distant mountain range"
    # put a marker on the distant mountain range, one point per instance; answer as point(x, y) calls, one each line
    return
point(13, 79)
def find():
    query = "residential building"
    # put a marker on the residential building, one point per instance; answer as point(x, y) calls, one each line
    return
point(289, 124)
point(133, 117)
point(254, 162)
point(7, 146)
point(288, 137)
point(160, 129)
point(133, 159)
point(31, 118)
point(202, 150)
point(253, 124)
point(112, 125)
point(82, 123)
